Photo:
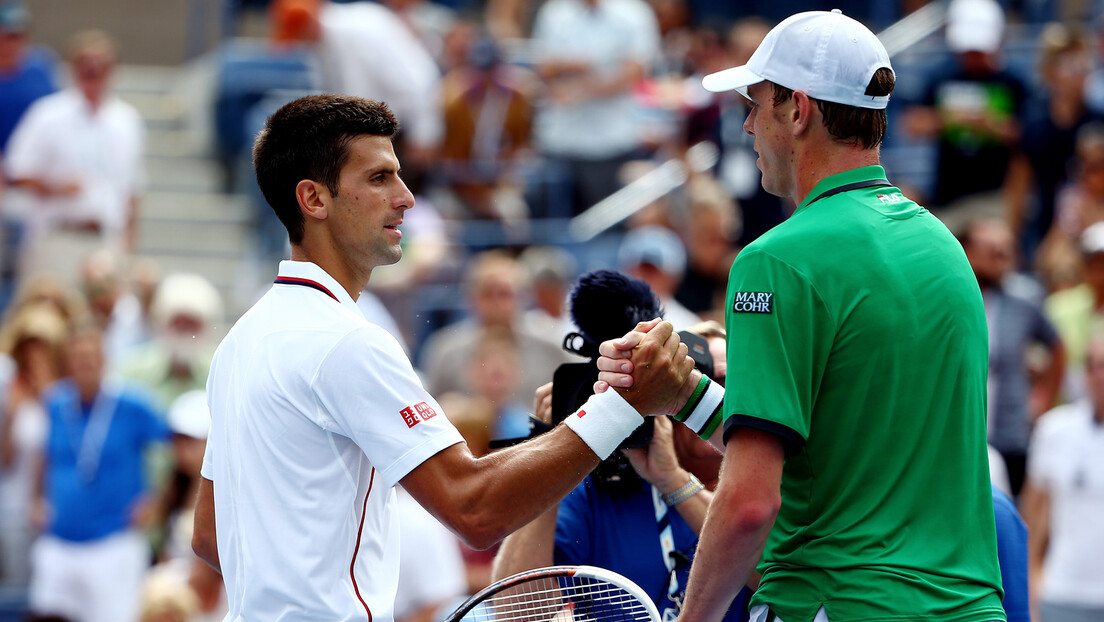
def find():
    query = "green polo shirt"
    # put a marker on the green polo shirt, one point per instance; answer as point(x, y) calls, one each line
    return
point(856, 332)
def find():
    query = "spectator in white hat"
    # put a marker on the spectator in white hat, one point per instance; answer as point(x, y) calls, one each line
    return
point(656, 256)
point(971, 105)
point(185, 312)
point(855, 476)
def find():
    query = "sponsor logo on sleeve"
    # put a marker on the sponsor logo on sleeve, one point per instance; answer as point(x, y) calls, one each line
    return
point(581, 413)
point(753, 302)
point(413, 415)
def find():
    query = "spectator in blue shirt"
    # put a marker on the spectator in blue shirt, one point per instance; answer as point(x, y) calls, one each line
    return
point(26, 72)
point(88, 564)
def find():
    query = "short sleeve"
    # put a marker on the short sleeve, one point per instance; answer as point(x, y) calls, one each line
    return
point(207, 470)
point(779, 336)
point(366, 390)
point(573, 530)
point(26, 156)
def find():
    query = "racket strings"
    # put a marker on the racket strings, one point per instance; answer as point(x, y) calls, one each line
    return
point(560, 599)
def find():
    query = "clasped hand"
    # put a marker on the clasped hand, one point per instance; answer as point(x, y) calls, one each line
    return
point(649, 367)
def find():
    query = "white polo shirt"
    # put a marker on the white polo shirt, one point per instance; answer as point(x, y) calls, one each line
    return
point(1067, 460)
point(316, 415)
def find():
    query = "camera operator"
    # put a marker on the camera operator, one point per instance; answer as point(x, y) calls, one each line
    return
point(642, 522)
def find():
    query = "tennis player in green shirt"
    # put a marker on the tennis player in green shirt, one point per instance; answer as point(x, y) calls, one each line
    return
point(853, 424)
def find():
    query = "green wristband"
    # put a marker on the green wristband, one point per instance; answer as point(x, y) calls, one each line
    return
point(714, 421)
point(691, 403)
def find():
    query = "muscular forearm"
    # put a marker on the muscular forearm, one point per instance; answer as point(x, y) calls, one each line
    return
point(740, 519)
point(519, 486)
point(204, 537)
point(730, 546)
point(483, 500)
point(530, 547)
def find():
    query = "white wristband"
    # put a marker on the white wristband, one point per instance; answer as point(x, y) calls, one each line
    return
point(702, 415)
point(604, 421)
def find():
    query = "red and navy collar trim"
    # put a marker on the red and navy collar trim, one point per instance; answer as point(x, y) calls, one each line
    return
point(293, 280)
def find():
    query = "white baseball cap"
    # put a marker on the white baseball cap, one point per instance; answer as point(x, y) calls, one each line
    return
point(975, 26)
point(1092, 239)
point(827, 55)
point(189, 414)
point(653, 245)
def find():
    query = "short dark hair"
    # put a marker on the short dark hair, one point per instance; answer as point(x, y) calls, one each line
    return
point(862, 127)
point(307, 139)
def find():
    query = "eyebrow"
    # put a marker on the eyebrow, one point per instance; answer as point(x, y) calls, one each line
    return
point(386, 170)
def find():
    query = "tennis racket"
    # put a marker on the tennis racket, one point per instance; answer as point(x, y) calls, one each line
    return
point(559, 594)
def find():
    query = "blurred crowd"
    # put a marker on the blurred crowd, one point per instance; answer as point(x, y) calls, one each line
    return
point(542, 139)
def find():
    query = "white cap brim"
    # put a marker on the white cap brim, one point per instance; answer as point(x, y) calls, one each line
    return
point(732, 79)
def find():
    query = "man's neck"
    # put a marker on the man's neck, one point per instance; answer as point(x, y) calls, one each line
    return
point(88, 394)
point(814, 164)
point(334, 266)
point(93, 101)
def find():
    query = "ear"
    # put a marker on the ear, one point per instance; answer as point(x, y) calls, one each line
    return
point(803, 109)
point(314, 199)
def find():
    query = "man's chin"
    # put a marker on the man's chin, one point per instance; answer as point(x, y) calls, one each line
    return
point(393, 257)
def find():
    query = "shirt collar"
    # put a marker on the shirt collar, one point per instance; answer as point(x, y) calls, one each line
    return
point(855, 175)
point(315, 274)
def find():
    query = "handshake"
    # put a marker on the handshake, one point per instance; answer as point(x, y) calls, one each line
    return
point(650, 367)
point(650, 372)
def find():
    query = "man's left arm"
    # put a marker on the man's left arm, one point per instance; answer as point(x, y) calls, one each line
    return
point(204, 540)
point(740, 519)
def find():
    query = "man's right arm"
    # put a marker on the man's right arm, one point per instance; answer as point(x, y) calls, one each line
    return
point(740, 519)
point(204, 541)
point(484, 499)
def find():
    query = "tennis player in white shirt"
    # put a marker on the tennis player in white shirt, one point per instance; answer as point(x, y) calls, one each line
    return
point(317, 414)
